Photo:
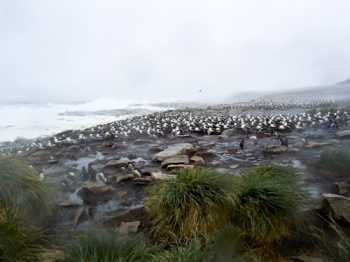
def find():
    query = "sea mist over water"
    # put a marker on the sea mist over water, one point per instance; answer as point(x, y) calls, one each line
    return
point(31, 120)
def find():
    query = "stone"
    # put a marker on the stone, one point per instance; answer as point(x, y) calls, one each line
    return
point(97, 187)
point(228, 133)
point(125, 177)
point(127, 228)
point(180, 159)
point(123, 162)
point(343, 134)
point(336, 206)
point(73, 200)
point(173, 150)
point(162, 176)
point(234, 166)
point(143, 180)
point(78, 215)
point(198, 160)
point(343, 188)
point(179, 167)
point(273, 149)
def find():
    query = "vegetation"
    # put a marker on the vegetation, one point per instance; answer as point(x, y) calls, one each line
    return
point(21, 195)
point(108, 247)
point(194, 205)
point(266, 202)
point(337, 162)
point(190, 253)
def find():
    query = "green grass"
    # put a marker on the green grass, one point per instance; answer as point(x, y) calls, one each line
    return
point(108, 247)
point(335, 162)
point(194, 205)
point(267, 200)
point(190, 253)
point(23, 205)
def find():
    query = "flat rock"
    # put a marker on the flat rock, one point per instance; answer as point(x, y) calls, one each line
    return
point(343, 134)
point(173, 150)
point(175, 168)
point(198, 160)
point(127, 228)
point(179, 159)
point(336, 206)
point(273, 149)
point(123, 162)
point(97, 187)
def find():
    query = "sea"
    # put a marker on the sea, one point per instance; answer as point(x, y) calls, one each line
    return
point(33, 120)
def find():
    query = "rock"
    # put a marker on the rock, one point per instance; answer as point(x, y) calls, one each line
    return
point(198, 160)
point(336, 206)
point(73, 200)
point(234, 166)
point(123, 162)
point(273, 149)
point(123, 178)
point(316, 144)
point(173, 150)
point(127, 228)
point(162, 176)
point(343, 188)
point(175, 168)
point(97, 187)
point(179, 159)
point(343, 134)
point(78, 215)
point(143, 180)
point(228, 133)
point(305, 258)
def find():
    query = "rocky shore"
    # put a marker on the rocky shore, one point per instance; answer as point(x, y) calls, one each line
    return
point(102, 175)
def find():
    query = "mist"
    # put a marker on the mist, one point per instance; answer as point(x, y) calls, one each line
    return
point(54, 51)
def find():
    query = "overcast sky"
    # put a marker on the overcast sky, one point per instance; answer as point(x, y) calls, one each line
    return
point(159, 49)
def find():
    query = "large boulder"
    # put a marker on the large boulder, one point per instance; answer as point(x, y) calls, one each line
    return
point(173, 150)
point(343, 134)
point(180, 159)
point(123, 162)
point(336, 206)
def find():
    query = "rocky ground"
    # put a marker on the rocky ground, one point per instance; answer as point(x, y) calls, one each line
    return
point(104, 182)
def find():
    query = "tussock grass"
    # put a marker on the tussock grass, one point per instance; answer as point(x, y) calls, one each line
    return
point(194, 205)
point(108, 247)
point(190, 253)
point(23, 203)
point(267, 200)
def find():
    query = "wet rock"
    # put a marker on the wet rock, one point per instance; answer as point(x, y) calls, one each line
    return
point(73, 200)
point(127, 228)
point(175, 168)
point(123, 162)
point(97, 187)
point(317, 144)
point(197, 160)
point(273, 149)
point(78, 215)
point(343, 188)
point(336, 206)
point(179, 159)
point(143, 180)
point(228, 133)
point(173, 150)
point(343, 134)
point(123, 178)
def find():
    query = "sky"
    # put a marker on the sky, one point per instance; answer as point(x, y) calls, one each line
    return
point(74, 50)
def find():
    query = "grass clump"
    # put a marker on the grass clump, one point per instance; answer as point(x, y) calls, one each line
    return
point(194, 205)
point(336, 162)
point(267, 200)
point(190, 253)
point(108, 247)
point(22, 204)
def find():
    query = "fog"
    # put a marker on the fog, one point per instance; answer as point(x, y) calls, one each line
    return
point(168, 50)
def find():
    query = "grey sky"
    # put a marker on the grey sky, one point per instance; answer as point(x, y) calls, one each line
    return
point(160, 49)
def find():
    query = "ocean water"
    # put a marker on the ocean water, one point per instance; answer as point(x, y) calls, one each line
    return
point(36, 120)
